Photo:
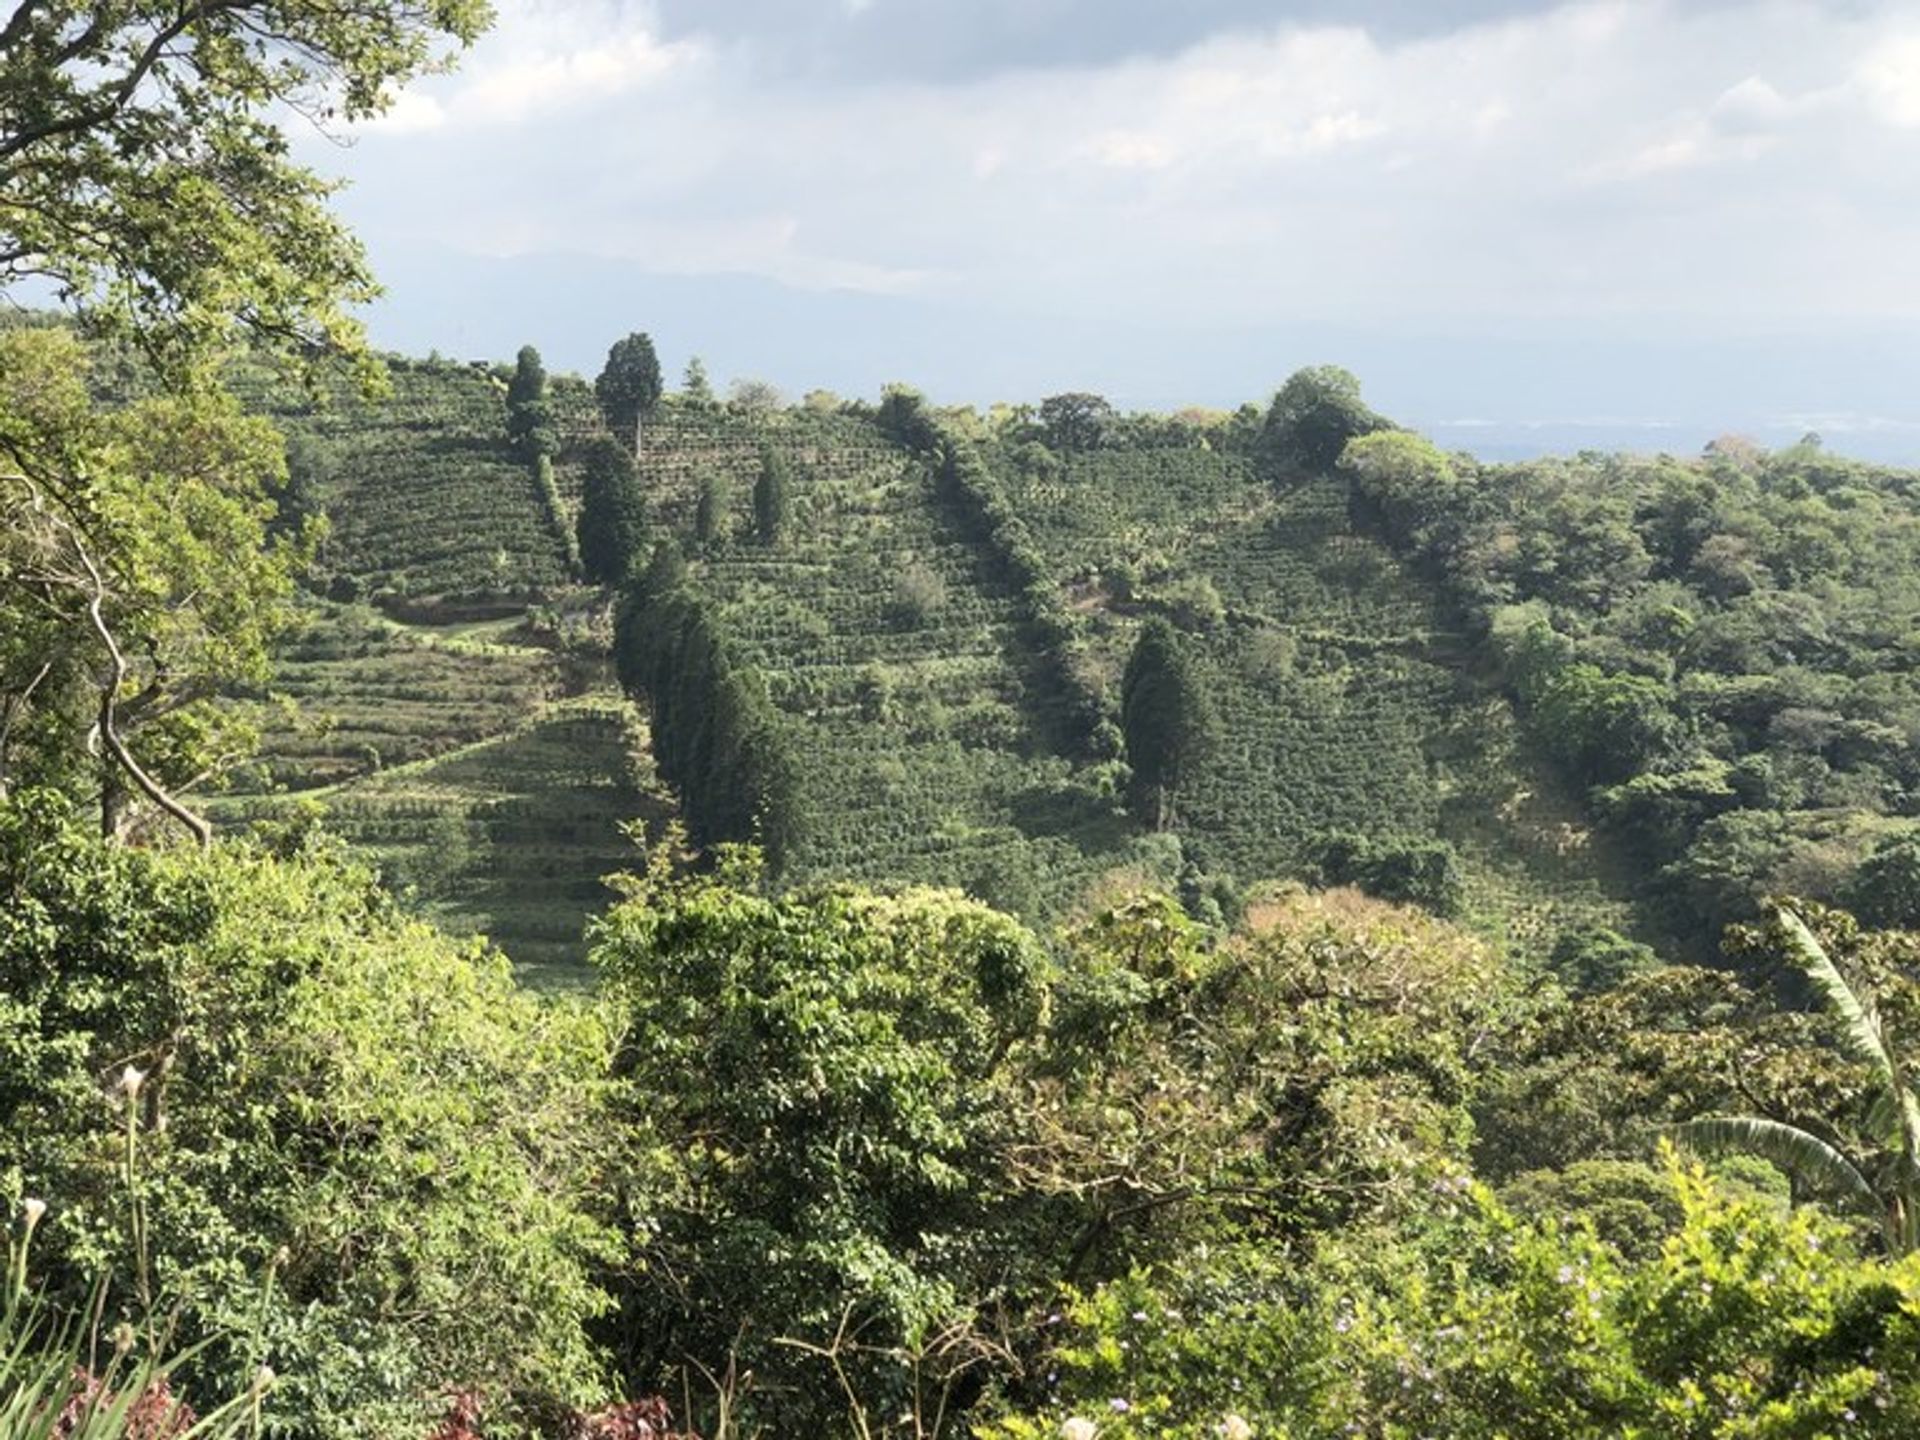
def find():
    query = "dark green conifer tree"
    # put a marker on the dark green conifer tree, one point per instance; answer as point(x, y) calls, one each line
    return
point(770, 496)
point(529, 414)
point(628, 386)
point(710, 511)
point(612, 522)
point(1166, 719)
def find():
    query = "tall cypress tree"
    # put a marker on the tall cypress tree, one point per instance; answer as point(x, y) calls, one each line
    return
point(628, 387)
point(529, 416)
point(612, 522)
point(1166, 720)
point(770, 496)
point(716, 735)
point(710, 509)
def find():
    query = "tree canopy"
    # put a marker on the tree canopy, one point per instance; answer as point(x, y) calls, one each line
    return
point(1165, 717)
point(139, 577)
point(1076, 421)
point(612, 527)
point(145, 174)
point(1314, 415)
point(628, 386)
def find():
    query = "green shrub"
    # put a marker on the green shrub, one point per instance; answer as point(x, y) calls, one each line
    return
point(1745, 1322)
point(829, 1078)
point(370, 1109)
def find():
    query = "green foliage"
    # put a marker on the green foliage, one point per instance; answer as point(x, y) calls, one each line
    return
point(717, 737)
point(628, 386)
point(612, 524)
point(1405, 481)
point(431, 511)
point(332, 1094)
point(1166, 719)
point(770, 497)
point(1885, 890)
point(831, 1080)
point(1591, 960)
point(147, 176)
point(1712, 648)
point(904, 418)
point(138, 578)
point(711, 526)
point(890, 1127)
point(1605, 727)
point(1885, 1187)
point(1744, 1323)
point(1313, 417)
point(529, 412)
point(1407, 871)
point(694, 384)
point(1075, 421)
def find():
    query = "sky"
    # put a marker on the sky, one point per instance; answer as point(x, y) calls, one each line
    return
point(1524, 226)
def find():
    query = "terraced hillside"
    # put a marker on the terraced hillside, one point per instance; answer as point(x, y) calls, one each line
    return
point(489, 765)
point(1344, 700)
point(367, 693)
point(507, 833)
point(896, 654)
point(480, 771)
point(427, 503)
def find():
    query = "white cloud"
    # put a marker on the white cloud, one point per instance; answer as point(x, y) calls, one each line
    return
point(1632, 158)
point(1132, 150)
point(1890, 76)
point(514, 91)
point(544, 61)
point(410, 113)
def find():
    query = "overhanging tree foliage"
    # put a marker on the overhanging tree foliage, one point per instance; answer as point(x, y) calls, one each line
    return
point(145, 174)
point(138, 579)
point(145, 177)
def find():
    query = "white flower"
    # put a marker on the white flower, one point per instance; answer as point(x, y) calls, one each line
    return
point(1235, 1427)
point(33, 1209)
point(1078, 1427)
point(262, 1378)
point(130, 1081)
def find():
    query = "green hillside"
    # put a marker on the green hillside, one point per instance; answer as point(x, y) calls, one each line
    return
point(1344, 688)
point(895, 652)
point(425, 500)
point(943, 615)
point(937, 732)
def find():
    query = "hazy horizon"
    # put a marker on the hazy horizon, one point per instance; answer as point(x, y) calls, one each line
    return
point(1653, 218)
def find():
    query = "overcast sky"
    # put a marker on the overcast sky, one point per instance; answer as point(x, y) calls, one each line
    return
point(1634, 214)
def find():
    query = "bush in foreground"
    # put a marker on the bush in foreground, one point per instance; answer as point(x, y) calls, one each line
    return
point(358, 1139)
